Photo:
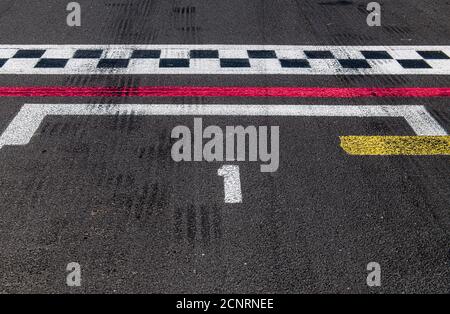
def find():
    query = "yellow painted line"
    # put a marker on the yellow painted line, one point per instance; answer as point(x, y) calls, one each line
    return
point(396, 145)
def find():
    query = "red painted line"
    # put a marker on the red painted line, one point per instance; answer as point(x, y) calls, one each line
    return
point(196, 91)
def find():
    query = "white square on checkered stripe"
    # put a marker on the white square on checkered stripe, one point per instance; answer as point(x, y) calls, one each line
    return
point(441, 66)
point(81, 65)
point(233, 53)
point(143, 66)
point(290, 54)
point(59, 53)
point(406, 53)
point(20, 65)
point(346, 53)
point(6, 53)
point(205, 65)
point(117, 53)
point(265, 65)
point(385, 66)
point(175, 53)
point(325, 66)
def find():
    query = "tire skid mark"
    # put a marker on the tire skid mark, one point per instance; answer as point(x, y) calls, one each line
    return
point(198, 224)
point(398, 30)
point(159, 150)
point(77, 130)
point(139, 200)
point(184, 20)
point(337, 3)
point(129, 20)
point(342, 38)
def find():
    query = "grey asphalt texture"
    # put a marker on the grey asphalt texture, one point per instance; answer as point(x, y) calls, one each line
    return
point(104, 191)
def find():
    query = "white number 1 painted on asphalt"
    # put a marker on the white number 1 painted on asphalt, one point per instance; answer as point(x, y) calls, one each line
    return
point(232, 183)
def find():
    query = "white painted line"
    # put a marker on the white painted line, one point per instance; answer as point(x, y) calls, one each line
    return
point(232, 183)
point(27, 121)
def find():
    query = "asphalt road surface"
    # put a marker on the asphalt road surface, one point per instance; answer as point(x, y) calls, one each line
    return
point(104, 191)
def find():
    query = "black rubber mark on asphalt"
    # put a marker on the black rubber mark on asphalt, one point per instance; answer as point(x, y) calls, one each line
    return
point(196, 222)
point(146, 54)
point(2, 62)
point(376, 54)
point(174, 63)
point(262, 54)
point(433, 55)
point(191, 224)
point(204, 54)
point(319, 54)
point(234, 63)
point(189, 29)
point(184, 10)
point(88, 54)
point(52, 63)
point(339, 2)
point(113, 63)
point(400, 30)
point(354, 63)
point(29, 54)
point(414, 64)
point(294, 63)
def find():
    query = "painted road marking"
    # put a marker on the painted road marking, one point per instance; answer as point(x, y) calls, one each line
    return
point(223, 91)
point(224, 59)
point(232, 183)
point(396, 145)
point(27, 121)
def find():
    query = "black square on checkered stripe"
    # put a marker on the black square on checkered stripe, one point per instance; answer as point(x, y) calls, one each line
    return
point(262, 54)
point(29, 54)
point(204, 54)
point(414, 64)
point(376, 54)
point(174, 63)
point(2, 62)
point(146, 54)
point(354, 63)
point(433, 55)
point(88, 54)
point(234, 63)
point(294, 63)
point(52, 63)
point(113, 63)
point(319, 54)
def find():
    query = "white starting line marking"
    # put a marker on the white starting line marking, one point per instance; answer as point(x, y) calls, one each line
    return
point(27, 121)
point(224, 59)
